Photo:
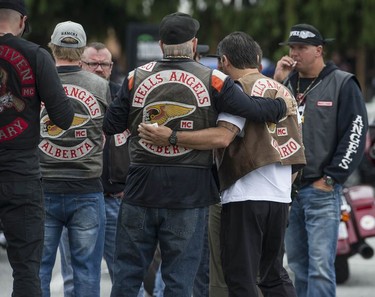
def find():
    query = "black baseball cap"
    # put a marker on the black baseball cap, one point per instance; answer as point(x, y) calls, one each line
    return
point(305, 34)
point(17, 5)
point(177, 28)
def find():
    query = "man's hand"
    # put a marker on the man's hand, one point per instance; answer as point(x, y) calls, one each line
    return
point(321, 185)
point(154, 135)
point(283, 67)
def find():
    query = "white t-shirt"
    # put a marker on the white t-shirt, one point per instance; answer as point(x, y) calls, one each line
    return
point(272, 182)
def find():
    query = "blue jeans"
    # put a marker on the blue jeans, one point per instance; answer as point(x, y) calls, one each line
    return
point(112, 206)
point(159, 285)
point(311, 241)
point(180, 233)
point(66, 264)
point(202, 279)
point(84, 217)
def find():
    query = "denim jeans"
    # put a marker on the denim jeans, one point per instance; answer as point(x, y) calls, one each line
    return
point(311, 241)
point(159, 285)
point(66, 264)
point(84, 217)
point(201, 281)
point(22, 216)
point(180, 233)
point(112, 206)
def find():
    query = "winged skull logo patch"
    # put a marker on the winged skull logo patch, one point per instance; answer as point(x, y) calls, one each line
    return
point(165, 111)
point(49, 129)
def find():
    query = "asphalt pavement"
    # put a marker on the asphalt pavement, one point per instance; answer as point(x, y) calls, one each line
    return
point(361, 282)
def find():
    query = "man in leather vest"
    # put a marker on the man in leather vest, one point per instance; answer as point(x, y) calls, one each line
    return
point(255, 175)
point(334, 134)
point(71, 162)
point(170, 187)
point(97, 58)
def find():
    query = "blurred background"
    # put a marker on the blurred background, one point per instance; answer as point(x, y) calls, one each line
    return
point(130, 27)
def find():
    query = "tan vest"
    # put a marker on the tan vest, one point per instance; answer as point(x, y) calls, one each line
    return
point(262, 143)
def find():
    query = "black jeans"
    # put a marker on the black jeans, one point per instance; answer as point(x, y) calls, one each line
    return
point(252, 249)
point(22, 215)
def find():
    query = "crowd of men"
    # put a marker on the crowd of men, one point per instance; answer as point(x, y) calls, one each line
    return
point(177, 150)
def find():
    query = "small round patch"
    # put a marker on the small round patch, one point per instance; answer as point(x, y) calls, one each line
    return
point(367, 222)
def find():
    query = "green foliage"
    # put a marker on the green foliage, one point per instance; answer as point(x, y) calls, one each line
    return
point(268, 21)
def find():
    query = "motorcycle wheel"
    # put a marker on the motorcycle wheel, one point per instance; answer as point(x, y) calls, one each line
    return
point(342, 269)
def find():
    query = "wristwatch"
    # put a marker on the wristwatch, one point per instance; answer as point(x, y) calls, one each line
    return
point(328, 180)
point(173, 138)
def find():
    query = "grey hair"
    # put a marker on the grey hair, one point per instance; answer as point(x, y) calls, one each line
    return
point(9, 14)
point(175, 50)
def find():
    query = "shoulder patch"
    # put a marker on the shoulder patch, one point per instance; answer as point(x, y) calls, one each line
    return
point(148, 67)
point(130, 80)
point(217, 79)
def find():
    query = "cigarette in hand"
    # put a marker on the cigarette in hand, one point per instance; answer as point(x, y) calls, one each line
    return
point(294, 64)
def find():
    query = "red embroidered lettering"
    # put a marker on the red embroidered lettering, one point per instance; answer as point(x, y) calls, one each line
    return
point(13, 129)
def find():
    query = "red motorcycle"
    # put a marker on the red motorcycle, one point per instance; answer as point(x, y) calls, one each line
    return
point(357, 224)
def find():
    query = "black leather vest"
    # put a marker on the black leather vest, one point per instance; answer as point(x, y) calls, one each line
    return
point(175, 93)
point(321, 114)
